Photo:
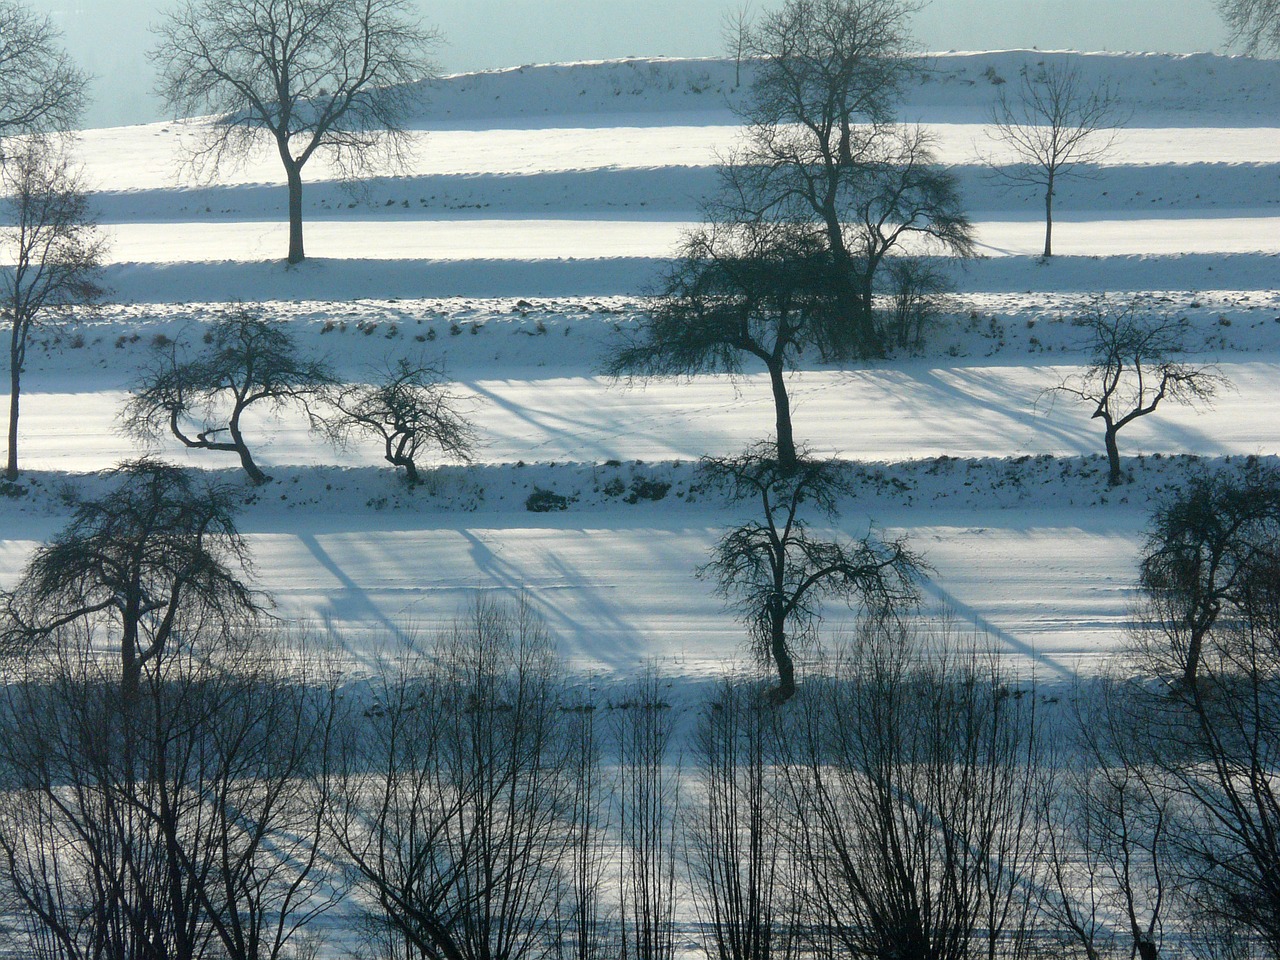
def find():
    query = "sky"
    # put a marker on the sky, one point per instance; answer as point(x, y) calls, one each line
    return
point(109, 38)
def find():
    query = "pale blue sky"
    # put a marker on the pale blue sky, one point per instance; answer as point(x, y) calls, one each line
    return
point(109, 37)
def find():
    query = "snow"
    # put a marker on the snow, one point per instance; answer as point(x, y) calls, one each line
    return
point(561, 239)
point(539, 209)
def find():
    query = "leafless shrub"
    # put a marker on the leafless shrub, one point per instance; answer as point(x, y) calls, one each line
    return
point(453, 801)
point(912, 773)
point(182, 821)
point(736, 834)
point(647, 802)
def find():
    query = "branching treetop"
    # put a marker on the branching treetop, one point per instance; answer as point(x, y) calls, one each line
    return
point(1254, 24)
point(156, 551)
point(772, 568)
point(315, 74)
point(754, 288)
point(40, 88)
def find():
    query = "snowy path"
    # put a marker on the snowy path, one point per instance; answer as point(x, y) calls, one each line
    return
point(1076, 233)
point(1050, 587)
point(909, 410)
point(136, 158)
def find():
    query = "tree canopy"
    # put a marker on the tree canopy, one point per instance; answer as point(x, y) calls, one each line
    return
point(315, 76)
point(157, 559)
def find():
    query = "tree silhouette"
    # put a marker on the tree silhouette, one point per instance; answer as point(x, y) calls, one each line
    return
point(156, 556)
point(821, 146)
point(247, 361)
point(315, 76)
point(1057, 126)
point(739, 290)
point(40, 89)
point(775, 571)
point(1134, 367)
point(56, 252)
point(409, 408)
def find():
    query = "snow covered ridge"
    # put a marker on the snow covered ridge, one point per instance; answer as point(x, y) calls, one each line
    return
point(675, 488)
point(1227, 89)
point(542, 207)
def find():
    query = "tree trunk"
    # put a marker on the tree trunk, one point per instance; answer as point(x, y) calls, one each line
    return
point(130, 667)
point(786, 687)
point(1113, 458)
point(787, 458)
point(294, 172)
point(1194, 647)
point(246, 459)
point(1048, 219)
point(869, 341)
point(854, 333)
point(15, 374)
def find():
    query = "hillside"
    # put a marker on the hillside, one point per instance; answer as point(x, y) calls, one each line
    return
point(537, 213)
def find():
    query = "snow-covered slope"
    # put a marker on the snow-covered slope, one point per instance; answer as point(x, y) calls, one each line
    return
point(537, 213)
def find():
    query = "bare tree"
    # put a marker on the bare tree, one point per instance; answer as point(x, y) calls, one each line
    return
point(735, 31)
point(776, 572)
point(1134, 365)
point(182, 823)
point(1205, 543)
point(747, 289)
point(648, 818)
point(409, 408)
point(1057, 125)
point(1217, 744)
point(155, 558)
point(1107, 832)
point(1255, 24)
point(913, 775)
point(736, 840)
point(247, 361)
point(452, 800)
point(56, 252)
point(584, 931)
point(315, 76)
point(821, 146)
point(40, 89)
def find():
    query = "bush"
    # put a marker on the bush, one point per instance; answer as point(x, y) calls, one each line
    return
point(642, 489)
point(918, 292)
point(545, 501)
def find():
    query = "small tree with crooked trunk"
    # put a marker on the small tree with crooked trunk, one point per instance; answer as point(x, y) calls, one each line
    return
point(776, 572)
point(747, 289)
point(1057, 125)
point(247, 361)
point(1134, 367)
point(56, 252)
point(157, 555)
point(313, 76)
point(409, 409)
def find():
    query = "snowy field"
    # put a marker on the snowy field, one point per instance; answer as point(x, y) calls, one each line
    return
point(535, 218)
